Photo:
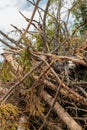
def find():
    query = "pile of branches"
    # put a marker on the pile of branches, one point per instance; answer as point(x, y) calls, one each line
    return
point(51, 93)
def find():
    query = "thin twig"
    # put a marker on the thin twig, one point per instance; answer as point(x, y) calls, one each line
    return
point(52, 106)
point(8, 94)
point(28, 26)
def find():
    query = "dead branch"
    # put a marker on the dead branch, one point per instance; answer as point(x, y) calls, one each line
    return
point(28, 26)
point(70, 91)
point(52, 106)
point(74, 60)
point(44, 25)
point(6, 44)
point(8, 94)
point(15, 66)
point(41, 78)
point(67, 119)
point(67, 92)
point(8, 38)
point(38, 11)
point(16, 28)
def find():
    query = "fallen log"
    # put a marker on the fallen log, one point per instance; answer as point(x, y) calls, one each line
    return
point(15, 66)
point(65, 117)
point(66, 91)
point(62, 58)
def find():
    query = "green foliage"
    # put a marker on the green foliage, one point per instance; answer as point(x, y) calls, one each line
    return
point(25, 40)
point(80, 14)
point(6, 73)
point(38, 44)
point(8, 117)
point(0, 64)
point(25, 60)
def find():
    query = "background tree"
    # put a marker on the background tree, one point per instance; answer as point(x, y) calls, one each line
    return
point(80, 14)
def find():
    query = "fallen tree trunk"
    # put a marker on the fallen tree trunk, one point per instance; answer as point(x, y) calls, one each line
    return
point(65, 117)
point(16, 68)
point(66, 91)
point(62, 58)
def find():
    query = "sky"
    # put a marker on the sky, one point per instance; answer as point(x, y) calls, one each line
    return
point(9, 14)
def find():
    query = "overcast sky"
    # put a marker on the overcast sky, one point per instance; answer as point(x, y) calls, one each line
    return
point(9, 13)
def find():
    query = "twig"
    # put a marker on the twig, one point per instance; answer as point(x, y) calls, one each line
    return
point(28, 26)
point(83, 100)
point(79, 109)
point(56, 57)
point(44, 26)
point(82, 90)
point(41, 77)
point(79, 83)
point(8, 38)
point(73, 33)
point(66, 118)
point(16, 28)
point(52, 106)
point(38, 12)
point(7, 44)
point(7, 95)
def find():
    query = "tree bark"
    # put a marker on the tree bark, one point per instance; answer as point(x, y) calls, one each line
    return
point(65, 117)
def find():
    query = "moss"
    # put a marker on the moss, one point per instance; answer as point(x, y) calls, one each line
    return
point(6, 73)
point(8, 116)
point(25, 60)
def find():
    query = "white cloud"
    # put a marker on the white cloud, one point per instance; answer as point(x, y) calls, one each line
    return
point(6, 3)
point(18, 3)
point(9, 14)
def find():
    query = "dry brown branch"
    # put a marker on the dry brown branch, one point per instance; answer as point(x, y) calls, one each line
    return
point(38, 12)
point(41, 78)
point(52, 106)
point(44, 26)
point(28, 26)
point(34, 5)
point(82, 90)
point(8, 94)
point(59, 46)
point(8, 38)
point(76, 96)
point(79, 83)
point(67, 119)
point(74, 60)
point(67, 92)
point(16, 28)
point(27, 19)
point(15, 66)
point(43, 72)
point(7, 44)
point(69, 11)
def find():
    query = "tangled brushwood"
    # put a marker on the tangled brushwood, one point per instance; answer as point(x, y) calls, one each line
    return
point(43, 78)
